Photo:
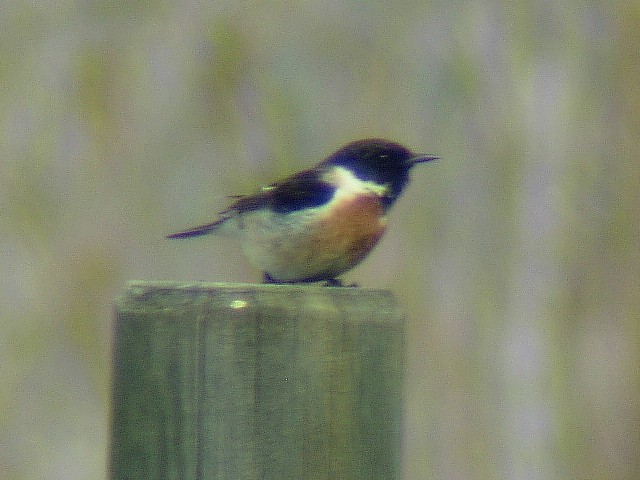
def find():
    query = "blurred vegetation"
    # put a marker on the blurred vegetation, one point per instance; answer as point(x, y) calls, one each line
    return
point(517, 255)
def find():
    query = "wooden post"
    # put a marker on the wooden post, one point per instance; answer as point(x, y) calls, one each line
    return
point(256, 382)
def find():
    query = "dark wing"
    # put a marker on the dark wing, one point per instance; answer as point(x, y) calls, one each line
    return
point(303, 190)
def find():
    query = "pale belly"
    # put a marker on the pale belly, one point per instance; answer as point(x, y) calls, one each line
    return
point(317, 244)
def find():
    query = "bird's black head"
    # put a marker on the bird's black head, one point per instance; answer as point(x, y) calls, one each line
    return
point(381, 161)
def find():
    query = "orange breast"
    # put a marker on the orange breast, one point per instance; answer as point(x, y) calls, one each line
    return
point(314, 245)
point(343, 236)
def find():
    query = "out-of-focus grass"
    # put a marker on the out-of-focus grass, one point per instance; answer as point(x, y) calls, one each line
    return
point(516, 254)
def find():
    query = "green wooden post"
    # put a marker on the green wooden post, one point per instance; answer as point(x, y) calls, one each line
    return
point(256, 382)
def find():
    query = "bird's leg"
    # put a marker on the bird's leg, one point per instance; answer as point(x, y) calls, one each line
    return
point(266, 278)
point(334, 282)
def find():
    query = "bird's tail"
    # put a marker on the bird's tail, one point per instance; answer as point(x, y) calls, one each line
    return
point(201, 230)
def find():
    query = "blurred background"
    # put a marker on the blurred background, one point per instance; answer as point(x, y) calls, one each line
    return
point(516, 256)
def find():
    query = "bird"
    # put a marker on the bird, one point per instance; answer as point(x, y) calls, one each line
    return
point(319, 223)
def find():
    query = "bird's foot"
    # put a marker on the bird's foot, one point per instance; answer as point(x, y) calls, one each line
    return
point(336, 282)
point(332, 282)
point(266, 278)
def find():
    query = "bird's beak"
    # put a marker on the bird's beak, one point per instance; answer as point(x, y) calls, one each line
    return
point(421, 158)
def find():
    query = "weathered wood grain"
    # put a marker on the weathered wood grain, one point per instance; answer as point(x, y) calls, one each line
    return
point(233, 381)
